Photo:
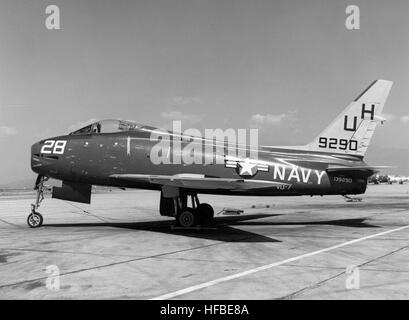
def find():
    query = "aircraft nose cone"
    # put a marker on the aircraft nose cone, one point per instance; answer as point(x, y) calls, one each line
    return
point(35, 148)
point(35, 157)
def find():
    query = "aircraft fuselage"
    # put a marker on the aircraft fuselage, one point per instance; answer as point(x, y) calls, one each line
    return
point(93, 158)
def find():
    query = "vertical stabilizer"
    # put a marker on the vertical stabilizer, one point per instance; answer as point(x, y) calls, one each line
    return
point(352, 130)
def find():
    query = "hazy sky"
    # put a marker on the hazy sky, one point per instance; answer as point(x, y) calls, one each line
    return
point(288, 67)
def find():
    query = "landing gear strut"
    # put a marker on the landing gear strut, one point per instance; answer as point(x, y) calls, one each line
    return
point(35, 219)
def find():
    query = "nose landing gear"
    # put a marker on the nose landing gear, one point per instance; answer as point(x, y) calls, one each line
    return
point(35, 219)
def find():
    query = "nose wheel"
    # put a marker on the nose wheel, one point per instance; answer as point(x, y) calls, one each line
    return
point(35, 219)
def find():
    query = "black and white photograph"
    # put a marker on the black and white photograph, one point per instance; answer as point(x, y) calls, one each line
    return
point(184, 151)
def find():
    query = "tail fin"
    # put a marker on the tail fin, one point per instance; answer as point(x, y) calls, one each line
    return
point(352, 130)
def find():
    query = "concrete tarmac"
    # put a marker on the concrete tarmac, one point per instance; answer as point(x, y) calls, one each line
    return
point(280, 248)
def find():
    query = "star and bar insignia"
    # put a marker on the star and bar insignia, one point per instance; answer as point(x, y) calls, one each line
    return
point(246, 167)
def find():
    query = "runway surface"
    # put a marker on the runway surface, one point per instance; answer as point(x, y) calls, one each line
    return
point(280, 248)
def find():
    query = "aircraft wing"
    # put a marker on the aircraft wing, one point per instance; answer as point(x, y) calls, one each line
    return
point(199, 181)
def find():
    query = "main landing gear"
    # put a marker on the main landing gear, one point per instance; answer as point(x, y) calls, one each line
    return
point(176, 205)
point(198, 214)
point(35, 219)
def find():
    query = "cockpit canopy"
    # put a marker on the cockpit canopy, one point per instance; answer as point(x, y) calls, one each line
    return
point(108, 126)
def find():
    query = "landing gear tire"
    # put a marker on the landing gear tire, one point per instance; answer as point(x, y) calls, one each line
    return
point(35, 220)
point(206, 212)
point(187, 218)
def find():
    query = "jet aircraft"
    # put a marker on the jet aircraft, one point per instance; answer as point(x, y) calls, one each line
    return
point(117, 153)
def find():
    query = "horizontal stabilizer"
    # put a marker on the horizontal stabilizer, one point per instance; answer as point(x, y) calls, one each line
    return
point(371, 169)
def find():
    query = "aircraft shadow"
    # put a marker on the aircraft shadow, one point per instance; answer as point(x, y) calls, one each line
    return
point(352, 223)
point(223, 228)
point(219, 230)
